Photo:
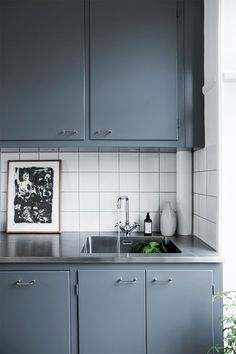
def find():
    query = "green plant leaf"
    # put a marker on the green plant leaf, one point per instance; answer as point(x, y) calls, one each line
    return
point(229, 323)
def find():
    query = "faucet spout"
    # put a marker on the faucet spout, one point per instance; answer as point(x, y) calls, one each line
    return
point(126, 198)
point(127, 228)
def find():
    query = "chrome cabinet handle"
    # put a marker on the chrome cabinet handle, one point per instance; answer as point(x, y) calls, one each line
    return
point(27, 283)
point(103, 132)
point(132, 281)
point(69, 132)
point(155, 280)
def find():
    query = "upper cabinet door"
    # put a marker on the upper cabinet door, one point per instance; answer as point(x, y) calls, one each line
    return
point(41, 69)
point(135, 69)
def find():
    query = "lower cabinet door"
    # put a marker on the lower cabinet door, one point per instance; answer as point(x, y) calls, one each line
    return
point(179, 312)
point(112, 312)
point(34, 312)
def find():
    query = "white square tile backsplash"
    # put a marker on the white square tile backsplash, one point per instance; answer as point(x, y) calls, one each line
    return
point(70, 201)
point(167, 163)
point(88, 161)
point(150, 162)
point(168, 182)
point(109, 162)
point(89, 201)
point(70, 161)
point(6, 157)
point(3, 184)
point(88, 181)
point(29, 155)
point(3, 201)
point(129, 162)
point(92, 182)
point(150, 202)
point(129, 182)
point(149, 182)
point(108, 201)
point(69, 182)
point(109, 182)
point(48, 155)
point(205, 195)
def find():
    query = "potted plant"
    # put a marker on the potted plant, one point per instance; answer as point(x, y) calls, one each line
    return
point(229, 323)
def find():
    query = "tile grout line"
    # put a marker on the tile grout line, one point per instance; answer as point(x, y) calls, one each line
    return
point(1, 213)
point(202, 217)
point(159, 190)
point(99, 191)
point(210, 170)
point(79, 215)
point(204, 195)
point(119, 188)
point(139, 188)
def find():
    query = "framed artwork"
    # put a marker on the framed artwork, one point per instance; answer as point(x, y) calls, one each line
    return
point(33, 204)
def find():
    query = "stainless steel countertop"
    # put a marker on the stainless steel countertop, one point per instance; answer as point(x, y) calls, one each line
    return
point(66, 248)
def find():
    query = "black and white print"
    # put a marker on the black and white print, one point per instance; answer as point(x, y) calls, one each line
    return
point(33, 197)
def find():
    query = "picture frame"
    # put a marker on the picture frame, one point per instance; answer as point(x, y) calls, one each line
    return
point(33, 197)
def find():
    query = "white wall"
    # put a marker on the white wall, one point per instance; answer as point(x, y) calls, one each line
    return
point(228, 140)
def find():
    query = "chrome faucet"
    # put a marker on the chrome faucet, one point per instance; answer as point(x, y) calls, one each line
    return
point(127, 228)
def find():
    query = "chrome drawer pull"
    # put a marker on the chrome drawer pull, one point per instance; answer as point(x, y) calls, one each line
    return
point(155, 280)
point(133, 281)
point(70, 132)
point(103, 132)
point(27, 283)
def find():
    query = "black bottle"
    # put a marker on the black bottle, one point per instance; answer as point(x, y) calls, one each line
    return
point(148, 226)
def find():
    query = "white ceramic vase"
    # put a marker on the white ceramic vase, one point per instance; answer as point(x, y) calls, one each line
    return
point(168, 220)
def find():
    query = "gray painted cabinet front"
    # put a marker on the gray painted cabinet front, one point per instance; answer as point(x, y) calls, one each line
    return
point(135, 78)
point(34, 312)
point(179, 311)
point(171, 311)
point(42, 70)
point(112, 312)
point(104, 73)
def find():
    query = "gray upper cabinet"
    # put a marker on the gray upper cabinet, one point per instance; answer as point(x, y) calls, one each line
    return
point(34, 312)
point(41, 69)
point(179, 311)
point(107, 73)
point(135, 70)
point(111, 312)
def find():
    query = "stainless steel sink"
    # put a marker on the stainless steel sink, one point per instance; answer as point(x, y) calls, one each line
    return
point(100, 244)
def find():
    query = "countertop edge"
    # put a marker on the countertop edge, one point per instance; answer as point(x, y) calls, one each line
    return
point(115, 260)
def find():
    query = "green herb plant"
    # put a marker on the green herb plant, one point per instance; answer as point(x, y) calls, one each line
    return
point(149, 247)
point(152, 247)
point(229, 323)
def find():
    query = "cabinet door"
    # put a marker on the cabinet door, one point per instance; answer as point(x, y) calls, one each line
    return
point(111, 312)
point(34, 312)
point(179, 312)
point(134, 69)
point(41, 69)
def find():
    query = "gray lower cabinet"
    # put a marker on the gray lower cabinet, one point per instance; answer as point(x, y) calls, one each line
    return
point(179, 311)
point(112, 312)
point(152, 311)
point(135, 72)
point(41, 70)
point(34, 312)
